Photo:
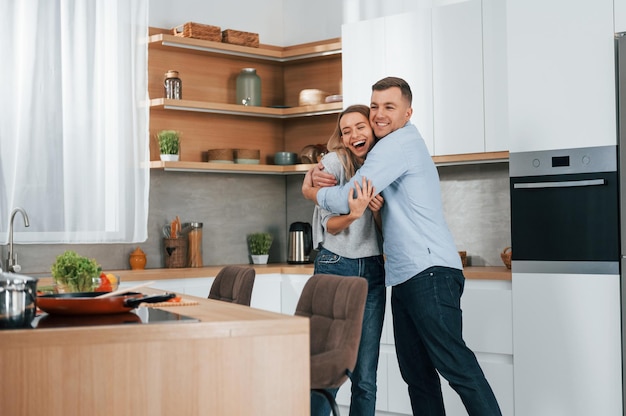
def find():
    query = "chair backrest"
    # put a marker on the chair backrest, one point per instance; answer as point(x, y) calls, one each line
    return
point(335, 306)
point(233, 284)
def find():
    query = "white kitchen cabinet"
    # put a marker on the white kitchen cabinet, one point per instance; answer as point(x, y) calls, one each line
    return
point(400, 46)
point(363, 59)
point(398, 394)
point(291, 288)
point(567, 343)
point(266, 293)
point(487, 330)
point(457, 95)
point(382, 393)
point(619, 7)
point(561, 74)
point(496, 100)
point(458, 78)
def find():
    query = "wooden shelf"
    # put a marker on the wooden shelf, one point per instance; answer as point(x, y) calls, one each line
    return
point(241, 110)
point(264, 52)
point(208, 167)
point(301, 169)
point(471, 158)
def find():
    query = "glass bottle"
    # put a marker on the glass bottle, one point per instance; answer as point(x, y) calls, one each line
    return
point(195, 244)
point(248, 87)
point(173, 85)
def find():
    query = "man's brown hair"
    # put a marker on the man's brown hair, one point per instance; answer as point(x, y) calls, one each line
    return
point(389, 82)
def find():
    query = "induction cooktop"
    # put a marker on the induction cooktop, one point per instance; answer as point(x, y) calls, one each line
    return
point(138, 316)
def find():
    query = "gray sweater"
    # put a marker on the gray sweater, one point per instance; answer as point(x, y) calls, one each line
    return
point(360, 239)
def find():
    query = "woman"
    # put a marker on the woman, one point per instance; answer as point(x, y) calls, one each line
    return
point(349, 245)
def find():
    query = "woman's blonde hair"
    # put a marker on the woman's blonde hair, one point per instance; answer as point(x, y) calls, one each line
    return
point(335, 143)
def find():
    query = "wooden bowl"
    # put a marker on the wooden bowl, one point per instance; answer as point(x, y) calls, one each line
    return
point(506, 257)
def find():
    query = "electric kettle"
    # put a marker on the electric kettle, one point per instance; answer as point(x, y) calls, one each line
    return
point(300, 243)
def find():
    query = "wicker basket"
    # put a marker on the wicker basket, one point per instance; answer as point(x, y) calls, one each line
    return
point(236, 37)
point(175, 250)
point(463, 255)
point(198, 31)
point(247, 153)
point(506, 257)
point(221, 155)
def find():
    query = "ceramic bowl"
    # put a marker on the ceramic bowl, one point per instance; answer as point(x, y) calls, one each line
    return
point(285, 158)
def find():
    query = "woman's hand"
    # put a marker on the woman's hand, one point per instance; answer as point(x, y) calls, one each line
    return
point(360, 197)
point(376, 203)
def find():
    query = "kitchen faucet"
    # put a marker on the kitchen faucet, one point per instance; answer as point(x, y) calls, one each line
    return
point(11, 263)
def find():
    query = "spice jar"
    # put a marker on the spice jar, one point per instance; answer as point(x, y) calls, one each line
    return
point(137, 259)
point(195, 244)
point(173, 85)
point(248, 87)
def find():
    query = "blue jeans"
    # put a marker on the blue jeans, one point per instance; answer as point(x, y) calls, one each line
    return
point(427, 321)
point(363, 377)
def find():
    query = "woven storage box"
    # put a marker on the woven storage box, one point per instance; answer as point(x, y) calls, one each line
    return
point(198, 31)
point(237, 37)
point(175, 251)
point(247, 153)
point(221, 155)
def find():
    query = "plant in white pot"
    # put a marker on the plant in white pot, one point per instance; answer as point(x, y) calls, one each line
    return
point(259, 244)
point(169, 145)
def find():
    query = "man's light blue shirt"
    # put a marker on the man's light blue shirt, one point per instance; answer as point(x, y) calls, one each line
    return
point(415, 232)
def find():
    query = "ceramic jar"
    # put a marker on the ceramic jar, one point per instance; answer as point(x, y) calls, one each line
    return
point(137, 259)
point(248, 87)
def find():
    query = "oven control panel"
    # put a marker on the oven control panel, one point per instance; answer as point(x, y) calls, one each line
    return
point(564, 161)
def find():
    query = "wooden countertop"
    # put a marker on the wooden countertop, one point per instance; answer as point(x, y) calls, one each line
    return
point(470, 272)
point(232, 362)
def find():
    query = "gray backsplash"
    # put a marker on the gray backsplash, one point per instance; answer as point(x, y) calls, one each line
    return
point(230, 206)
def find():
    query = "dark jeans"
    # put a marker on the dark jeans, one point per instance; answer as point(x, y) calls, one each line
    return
point(363, 377)
point(427, 321)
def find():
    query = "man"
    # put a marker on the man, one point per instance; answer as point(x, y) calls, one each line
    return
point(423, 266)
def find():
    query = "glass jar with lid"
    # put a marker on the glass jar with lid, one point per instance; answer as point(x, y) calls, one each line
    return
point(195, 244)
point(173, 85)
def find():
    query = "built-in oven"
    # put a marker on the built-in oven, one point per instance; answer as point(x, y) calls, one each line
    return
point(566, 282)
point(565, 211)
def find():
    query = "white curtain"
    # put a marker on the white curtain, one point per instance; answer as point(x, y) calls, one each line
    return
point(74, 134)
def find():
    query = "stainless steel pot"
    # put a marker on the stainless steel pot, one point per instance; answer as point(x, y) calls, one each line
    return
point(18, 300)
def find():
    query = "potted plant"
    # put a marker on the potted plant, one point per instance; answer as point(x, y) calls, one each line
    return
point(259, 244)
point(169, 145)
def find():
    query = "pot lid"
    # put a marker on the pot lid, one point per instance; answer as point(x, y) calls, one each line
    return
point(16, 278)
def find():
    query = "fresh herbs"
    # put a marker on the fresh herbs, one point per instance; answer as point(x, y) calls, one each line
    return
point(76, 272)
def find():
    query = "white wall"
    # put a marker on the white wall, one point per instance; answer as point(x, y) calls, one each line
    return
point(278, 22)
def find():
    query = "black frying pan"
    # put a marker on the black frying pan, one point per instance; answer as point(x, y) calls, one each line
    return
point(86, 303)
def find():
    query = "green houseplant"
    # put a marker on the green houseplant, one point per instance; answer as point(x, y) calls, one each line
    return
point(169, 144)
point(259, 244)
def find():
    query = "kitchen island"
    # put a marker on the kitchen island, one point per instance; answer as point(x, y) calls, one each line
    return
point(235, 361)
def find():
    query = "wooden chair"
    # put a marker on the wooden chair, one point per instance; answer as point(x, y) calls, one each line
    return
point(233, 284)
point(334, 305)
